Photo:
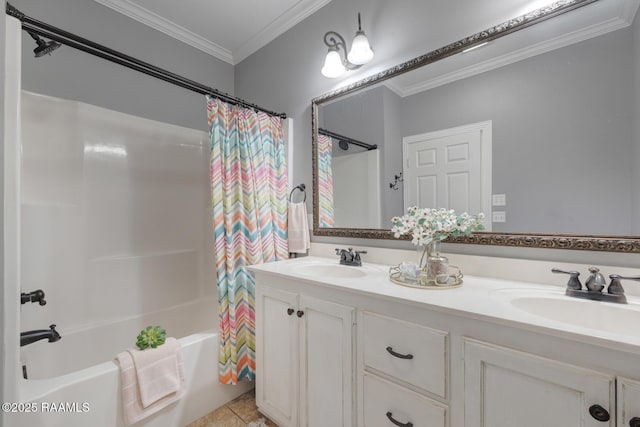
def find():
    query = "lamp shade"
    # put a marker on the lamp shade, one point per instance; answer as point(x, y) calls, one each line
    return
point(360, 52)
point(333, 66)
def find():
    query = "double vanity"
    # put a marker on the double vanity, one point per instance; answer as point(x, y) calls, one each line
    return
point(344, 346)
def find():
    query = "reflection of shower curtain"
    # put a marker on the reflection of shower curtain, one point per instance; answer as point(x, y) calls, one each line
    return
point(249, 192)
point(325, 181)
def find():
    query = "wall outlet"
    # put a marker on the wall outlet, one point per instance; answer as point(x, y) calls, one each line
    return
point(499, 216)
point(499, 199)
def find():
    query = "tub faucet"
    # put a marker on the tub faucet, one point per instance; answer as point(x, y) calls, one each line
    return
point(29, 337)
point(35, 296)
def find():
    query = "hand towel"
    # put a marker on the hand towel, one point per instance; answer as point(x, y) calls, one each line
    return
point(161, 380)
point(299, 240)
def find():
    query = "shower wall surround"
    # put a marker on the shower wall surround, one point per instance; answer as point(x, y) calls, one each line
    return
point(115, 210)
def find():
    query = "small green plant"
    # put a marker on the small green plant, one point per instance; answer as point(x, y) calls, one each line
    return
point(151, 336)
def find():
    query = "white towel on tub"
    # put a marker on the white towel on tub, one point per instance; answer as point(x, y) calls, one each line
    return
point(151, 379)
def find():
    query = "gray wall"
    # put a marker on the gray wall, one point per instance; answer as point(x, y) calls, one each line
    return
point(71, 74)
point(373, 117)
point(636, 131)
point(2, 314)
point(562, 134)
point(285, 75)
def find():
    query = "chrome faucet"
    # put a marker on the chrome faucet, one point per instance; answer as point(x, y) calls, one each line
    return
point(349, 257)
point(595, 285)
point(40, 334)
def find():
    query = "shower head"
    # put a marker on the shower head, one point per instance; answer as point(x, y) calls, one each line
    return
point(43, 47)
point(343, 144)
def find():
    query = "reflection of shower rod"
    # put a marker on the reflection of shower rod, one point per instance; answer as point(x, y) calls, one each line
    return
point(396, 179)
point(344, 141)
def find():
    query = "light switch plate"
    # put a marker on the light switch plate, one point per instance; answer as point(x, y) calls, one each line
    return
point(499, 216)
point(499, 199)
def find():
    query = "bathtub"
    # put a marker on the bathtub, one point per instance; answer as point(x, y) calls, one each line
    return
point(91, 396)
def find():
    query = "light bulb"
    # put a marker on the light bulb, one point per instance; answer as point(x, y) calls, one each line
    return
point(360, 52)
point(333, 66)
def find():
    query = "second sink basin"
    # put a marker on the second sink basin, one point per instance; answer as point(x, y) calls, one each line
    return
point(553, 305)
point(331, 270)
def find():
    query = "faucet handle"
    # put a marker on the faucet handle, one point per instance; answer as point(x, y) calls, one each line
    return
point(574, 282)
point(615, 287)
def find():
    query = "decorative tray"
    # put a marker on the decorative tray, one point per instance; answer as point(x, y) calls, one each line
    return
point(396, 276)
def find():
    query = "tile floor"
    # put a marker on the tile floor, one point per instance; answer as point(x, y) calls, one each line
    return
point(237, 413)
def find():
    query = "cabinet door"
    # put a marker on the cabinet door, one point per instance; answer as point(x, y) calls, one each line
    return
point(506, 388)
point(628, 403)
point(277, 355)
point(326, 364)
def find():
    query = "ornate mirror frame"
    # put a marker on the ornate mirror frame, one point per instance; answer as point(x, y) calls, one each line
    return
point(628, 244)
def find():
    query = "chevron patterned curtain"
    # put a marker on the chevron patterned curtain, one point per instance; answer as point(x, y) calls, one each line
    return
point(249, 197)
point(325, 180)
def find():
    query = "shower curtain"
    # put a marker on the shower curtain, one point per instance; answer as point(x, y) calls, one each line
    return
point(325, 181)
point(249, 197)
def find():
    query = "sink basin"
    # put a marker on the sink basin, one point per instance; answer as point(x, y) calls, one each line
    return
point(553, 305)
point(331, 270)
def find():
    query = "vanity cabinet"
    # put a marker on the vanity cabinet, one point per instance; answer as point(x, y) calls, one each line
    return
point(628, 403)
point(305, 363)
point(404, 372)
point(506, 388)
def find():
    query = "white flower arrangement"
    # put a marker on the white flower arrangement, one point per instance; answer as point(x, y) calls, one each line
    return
point(427, 225)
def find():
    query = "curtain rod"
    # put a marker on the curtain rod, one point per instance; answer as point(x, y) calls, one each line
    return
point(347, 139)
point(61, 36)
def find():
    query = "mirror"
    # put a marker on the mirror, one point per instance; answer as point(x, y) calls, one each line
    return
point(537, 130)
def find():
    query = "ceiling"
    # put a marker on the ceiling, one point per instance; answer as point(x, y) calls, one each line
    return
point(225, 30)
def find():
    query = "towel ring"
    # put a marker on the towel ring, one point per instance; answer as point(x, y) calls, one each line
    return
point(300, 187)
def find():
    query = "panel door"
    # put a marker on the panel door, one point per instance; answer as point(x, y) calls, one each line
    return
point(449, 169)
point(327, 368)
point(507, 388)
point(277, 355)
point(628, 403)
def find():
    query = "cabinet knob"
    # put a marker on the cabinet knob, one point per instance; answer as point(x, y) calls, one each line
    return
point(290, 311)
point(300, 313)
point(599, 413)
point(398, 423)
point(634, 422)
point(398, 355)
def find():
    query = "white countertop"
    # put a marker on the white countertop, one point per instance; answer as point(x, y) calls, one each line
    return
point(482, 298)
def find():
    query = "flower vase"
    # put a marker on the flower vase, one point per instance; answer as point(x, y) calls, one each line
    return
point(437, 265)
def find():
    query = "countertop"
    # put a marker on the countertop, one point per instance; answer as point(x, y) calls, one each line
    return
point(483, 298)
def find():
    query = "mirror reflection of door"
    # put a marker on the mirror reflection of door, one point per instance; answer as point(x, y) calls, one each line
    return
point(450, 169)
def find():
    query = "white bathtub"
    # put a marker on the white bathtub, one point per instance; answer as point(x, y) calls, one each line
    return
point(92, 394)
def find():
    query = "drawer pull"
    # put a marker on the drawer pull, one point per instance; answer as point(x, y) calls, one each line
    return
point(634, 422)
point(599, 413)
point(398, 355)
point(398, 423)
point(290, 311)
point(300, 313)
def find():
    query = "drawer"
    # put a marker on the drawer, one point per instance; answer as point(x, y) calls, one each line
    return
point(425, 350)
point(383, 400)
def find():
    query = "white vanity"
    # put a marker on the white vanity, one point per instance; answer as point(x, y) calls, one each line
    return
point(343, 346)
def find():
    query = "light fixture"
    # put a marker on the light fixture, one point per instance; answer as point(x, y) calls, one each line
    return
point(334, 64)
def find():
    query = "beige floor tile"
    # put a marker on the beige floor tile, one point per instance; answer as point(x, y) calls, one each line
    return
point(221, 417)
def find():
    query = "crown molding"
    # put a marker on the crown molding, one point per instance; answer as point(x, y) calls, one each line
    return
point(519, 55)
point(168, 27)
point(291, 17)
point(286, 21)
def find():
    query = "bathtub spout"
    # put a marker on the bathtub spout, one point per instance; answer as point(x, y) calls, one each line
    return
point(40, 334)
